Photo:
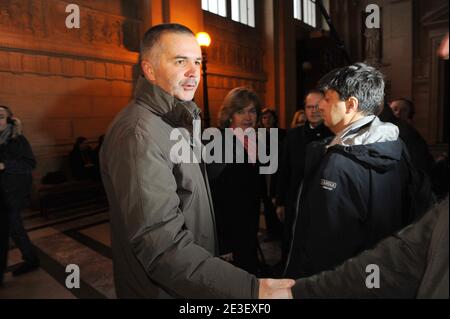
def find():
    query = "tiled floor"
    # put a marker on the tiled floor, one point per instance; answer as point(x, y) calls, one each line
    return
point(82, 239)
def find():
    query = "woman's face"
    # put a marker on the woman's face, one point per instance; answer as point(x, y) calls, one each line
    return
point(267, 120)
point(301, 119)
point(244, 118)
point(3, 119)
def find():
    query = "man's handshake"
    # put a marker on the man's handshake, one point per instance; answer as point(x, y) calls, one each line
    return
point(275, 288)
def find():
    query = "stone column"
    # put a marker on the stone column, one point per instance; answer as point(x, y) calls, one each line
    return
point(280, 58)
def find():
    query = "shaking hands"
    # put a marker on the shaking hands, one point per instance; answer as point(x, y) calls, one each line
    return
point(275, 288)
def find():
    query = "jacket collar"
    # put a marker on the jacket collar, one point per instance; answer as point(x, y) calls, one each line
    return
point(175, 112)
point(366, 130)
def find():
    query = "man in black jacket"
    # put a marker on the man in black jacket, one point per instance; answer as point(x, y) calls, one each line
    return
point(415, 143)
point(292, 164)
point(293, 154)
point(356, 190)
point(412, 263)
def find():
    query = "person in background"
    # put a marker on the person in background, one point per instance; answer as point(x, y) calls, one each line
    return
point(82, 160)
point(236, 187)
point(417, 146)
point(292, 163)
point(16, 164)
point(299, 118)
point(269, 120)
point(96, 154)
point(403, 109)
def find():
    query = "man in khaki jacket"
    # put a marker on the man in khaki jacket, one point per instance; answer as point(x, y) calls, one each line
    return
point(162, 226)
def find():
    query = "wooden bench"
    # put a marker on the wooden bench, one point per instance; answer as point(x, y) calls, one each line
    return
point(69, 193)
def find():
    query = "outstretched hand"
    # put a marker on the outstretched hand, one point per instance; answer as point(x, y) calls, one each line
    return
point(275, 288)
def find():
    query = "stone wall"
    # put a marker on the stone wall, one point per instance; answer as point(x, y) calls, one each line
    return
point(63, 83)
point(235, 58)
point(431, 25)
point(411, 31)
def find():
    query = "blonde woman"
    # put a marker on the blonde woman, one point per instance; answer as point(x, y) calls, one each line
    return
point(299, 119)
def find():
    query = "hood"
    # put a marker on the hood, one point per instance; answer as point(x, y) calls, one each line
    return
point(367, 130)
point(371, 142)
point(175, 112)
point(381, 157)
point(12, 131)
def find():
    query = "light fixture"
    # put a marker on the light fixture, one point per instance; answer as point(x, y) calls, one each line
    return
point(204, 40)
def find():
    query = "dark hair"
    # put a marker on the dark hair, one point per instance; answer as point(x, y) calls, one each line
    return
point(359, 80)
point(411, 107)
point(8, 110)
point(313, 91)
point(236, 100)
point(153, 35)
point(9, 116)
point(267, 110)
point(79, 140)
point(387, 115)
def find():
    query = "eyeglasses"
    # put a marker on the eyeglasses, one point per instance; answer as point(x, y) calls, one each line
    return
point(311, 107)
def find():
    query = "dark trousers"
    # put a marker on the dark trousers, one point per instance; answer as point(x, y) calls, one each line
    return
point(245, 240)
point(286, 239)
point(20, 237)
point(274, 226)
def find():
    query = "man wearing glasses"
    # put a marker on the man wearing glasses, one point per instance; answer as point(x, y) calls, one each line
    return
point(293, 161)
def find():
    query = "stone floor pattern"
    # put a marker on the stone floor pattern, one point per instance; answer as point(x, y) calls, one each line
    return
point(82, 239)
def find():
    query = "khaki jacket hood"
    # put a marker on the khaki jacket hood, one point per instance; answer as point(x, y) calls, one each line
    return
point(173, 111)
point(163, 236)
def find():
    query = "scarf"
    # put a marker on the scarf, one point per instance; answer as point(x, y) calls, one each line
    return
point(5, 134)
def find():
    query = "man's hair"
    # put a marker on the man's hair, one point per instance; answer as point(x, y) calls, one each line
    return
point(153, 35)
point(410, 105)
point(312, 91)
point(360, 81)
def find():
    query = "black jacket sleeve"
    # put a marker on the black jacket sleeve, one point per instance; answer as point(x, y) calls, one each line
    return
point(283, 174)
point(401, 260)
point(21, 158)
